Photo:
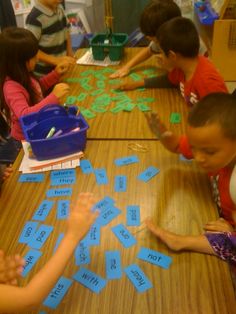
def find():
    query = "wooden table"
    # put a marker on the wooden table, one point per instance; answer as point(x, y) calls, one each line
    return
point(178, 198)
point(132, 125)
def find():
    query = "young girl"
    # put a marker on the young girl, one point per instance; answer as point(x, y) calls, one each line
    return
point(20, 92)
point(16, 299)
point(211, 140)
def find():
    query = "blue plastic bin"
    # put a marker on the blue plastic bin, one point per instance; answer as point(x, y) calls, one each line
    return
point(37, 125)
point(205, 12)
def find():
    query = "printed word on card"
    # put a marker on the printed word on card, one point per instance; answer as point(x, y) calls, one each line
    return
point(30, 260)
point(37, 177)
point(107, 215)
point(93, 236)
point(62, 174)
point(124, 236)
point(113, 265)
point(40, 237)
point(28, 231)
point(59, 192)
point(58, 292)
point(148, 174)
point(82, 255)
point(101, 176)
point(63, 181)
point(120, 183)
point(90, 280)
point(43, 210)
point(133, 215)
point(155, 257)
point(86, 166)
point(63, 207)
point(104, 203)
point(126, 160)
point(138, 278)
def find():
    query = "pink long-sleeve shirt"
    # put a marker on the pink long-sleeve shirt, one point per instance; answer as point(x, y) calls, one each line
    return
point(18, 101)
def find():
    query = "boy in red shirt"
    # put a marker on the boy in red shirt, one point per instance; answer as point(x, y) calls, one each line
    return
point(211, 140)
point(195, 75)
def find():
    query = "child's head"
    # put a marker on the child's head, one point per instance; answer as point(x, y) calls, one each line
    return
point(18, 50)
point(178, 37)
point(212, 131)
point(155, 14)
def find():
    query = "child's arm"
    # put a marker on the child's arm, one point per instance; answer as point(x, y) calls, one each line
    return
point(178, 242)
point(143, 55)
point(152, 82)
point(50, 59)
point(15, 299)
point(167, 138)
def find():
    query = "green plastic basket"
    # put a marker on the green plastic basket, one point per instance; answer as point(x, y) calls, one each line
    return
point(114, 46)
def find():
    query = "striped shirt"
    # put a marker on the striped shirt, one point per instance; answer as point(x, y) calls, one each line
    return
point(50, 28)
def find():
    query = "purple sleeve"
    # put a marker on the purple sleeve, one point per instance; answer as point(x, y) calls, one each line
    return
point(223, 244)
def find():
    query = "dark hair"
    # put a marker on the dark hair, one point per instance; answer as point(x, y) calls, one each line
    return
point(215, 108)
point(179, 35)
point(17, 46)
point(155, 14)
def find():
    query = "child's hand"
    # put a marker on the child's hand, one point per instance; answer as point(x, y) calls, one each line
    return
point(130, 85)
point(157, 126)
point(11, 268)
point(70, 60)
point(61, 90)
point(7, 172)
point(120, 73)
point(62, 67)
point(219, 225)
point(81, 216)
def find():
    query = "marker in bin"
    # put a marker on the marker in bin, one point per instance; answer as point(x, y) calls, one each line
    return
point(51, 132)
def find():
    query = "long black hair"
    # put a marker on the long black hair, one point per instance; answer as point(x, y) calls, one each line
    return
point(17, 46)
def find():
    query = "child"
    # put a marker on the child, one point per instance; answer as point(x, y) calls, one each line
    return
point(153, 16)
point(47, 21)
point(20, 92)
point(211, 140)
point(15, 299)
point(195, 75)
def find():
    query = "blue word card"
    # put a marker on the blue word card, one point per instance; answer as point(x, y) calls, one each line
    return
point(113, 265)
point(124, 236)
point(90, 280)
point(59, 192)
point(40, 237)
point(108, 215)
point(138, 278)
point(30, 260)
point(28, 231)
point(36, 177)
point(63, 207)
point(60, 237)
point(104, 203)
point(58, 292)
point(148, 174)
point(82, 255)
point(86, 166)
point(120, 183)
point(154, 257)
point(133, 215)
point(101, 176)
point(62, 174)
point(93, 236)
point(43, 210)
point(63, 181)
point(126, 160)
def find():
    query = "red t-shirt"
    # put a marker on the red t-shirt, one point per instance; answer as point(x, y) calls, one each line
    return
point(220, 183)
point(205, 80)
